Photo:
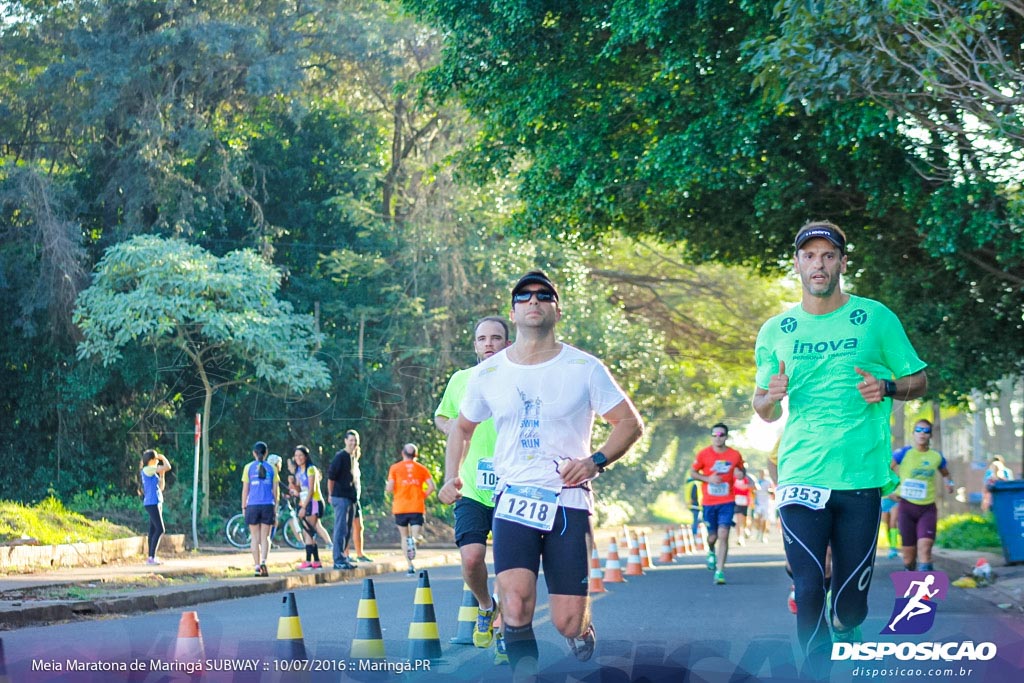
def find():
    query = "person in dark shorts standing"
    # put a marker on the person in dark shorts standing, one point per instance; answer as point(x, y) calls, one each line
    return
point(260, 494)
point(839, 359)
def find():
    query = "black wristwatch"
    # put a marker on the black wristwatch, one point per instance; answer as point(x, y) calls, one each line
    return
point(890, 388)
point(601, 460)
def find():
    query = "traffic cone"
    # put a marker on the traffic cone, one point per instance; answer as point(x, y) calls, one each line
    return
point(467, 618)
point(290, 645)
point(633, 567)
point(369, 640)
point(612, 568)
point(596, 583)
point(688, 542)
point(189, 646)
point(4, 678)
point(645, 557)
point(702, 538)
point(680, 547)
point(424, 642)
point(666, 555)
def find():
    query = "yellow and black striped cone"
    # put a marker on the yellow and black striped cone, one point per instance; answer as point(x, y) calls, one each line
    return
point(369, 640)
point(424, 642)
point(4, 678)
point(467, 618)
point(290, 645)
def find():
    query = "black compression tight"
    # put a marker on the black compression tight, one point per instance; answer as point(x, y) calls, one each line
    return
point(849, 522)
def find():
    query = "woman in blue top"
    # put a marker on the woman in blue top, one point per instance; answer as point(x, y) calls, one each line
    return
point(259, 503)
point(152, 469)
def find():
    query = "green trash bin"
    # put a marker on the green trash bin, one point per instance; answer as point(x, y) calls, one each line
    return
point(1008, 508)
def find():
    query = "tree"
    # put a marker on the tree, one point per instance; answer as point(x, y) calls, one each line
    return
point(221, 313)
point(650, 119)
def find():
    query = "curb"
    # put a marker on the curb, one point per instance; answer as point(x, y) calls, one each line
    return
point(221, 589)
point(1008, 587)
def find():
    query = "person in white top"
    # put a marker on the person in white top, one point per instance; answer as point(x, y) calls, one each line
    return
point(543, 396)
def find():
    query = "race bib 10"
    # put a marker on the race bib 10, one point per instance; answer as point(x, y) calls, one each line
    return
point(813, 497)
point(530, 506)
point(486, 479)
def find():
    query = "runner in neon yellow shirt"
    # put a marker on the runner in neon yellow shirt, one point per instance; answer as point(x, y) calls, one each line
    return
point(838, 359)
point(470, 484)
point(918, 515)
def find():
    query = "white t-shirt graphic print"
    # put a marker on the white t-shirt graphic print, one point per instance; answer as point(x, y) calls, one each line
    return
point(543, 414)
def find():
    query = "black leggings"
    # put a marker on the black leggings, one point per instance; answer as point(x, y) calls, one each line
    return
point(156, 527)
point(849, 522)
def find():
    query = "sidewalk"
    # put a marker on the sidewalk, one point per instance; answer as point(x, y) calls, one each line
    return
point(194, 577)
point(1007, 589)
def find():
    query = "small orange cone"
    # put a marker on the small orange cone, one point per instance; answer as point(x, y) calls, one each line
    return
point(189, 647)
point(702, 538)
point(612, 568)
point(633, 567)
point(680, 546)
point(645, 557)
point(596, 583)
point(666, 555)
point(688, 542)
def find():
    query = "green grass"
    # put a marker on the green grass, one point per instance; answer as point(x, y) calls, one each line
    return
point(668, 508)
point(49, 522)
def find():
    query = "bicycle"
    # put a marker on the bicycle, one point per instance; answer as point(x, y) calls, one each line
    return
point(238, 535)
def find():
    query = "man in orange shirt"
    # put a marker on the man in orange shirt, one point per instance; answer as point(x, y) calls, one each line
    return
point(411, 483)
point(718, 466)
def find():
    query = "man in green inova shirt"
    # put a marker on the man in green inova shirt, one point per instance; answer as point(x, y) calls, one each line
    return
point(839, 359)
point(470, 483)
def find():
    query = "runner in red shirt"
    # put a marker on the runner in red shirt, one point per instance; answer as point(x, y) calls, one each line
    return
point(718, 466)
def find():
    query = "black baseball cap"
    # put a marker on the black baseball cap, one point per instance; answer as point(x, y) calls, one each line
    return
point(535, 277)
point(826, 231)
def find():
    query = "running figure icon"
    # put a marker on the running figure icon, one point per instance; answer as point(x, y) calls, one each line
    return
point(916, 606)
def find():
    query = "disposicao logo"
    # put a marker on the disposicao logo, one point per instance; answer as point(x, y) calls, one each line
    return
point(914, 614)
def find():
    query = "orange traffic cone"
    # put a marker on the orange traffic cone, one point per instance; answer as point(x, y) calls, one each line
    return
point(702, 538)
point(666, 555)
point(633, 567)
point(369, 640)
point(645, 557)
point(189, 646)
point(596, 583)
point(612, 568)
point(688, 542)
point(680, 547)
point(290, 645)
point(424, 642)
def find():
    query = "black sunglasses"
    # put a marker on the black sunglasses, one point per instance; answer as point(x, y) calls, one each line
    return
point(542, 295)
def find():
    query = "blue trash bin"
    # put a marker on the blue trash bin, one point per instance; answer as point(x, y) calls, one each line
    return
point(1008, 508)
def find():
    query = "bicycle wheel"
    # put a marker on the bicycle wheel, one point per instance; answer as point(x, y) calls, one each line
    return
point(292, 534)
point(237, 531)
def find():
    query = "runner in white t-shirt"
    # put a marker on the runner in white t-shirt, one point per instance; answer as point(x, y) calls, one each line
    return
point(543, 396)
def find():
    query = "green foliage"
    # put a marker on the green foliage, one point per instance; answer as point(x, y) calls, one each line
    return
point(967, 532)
point(51, 523)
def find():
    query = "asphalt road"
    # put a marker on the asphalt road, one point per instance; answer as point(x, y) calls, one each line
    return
point(671, 624)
